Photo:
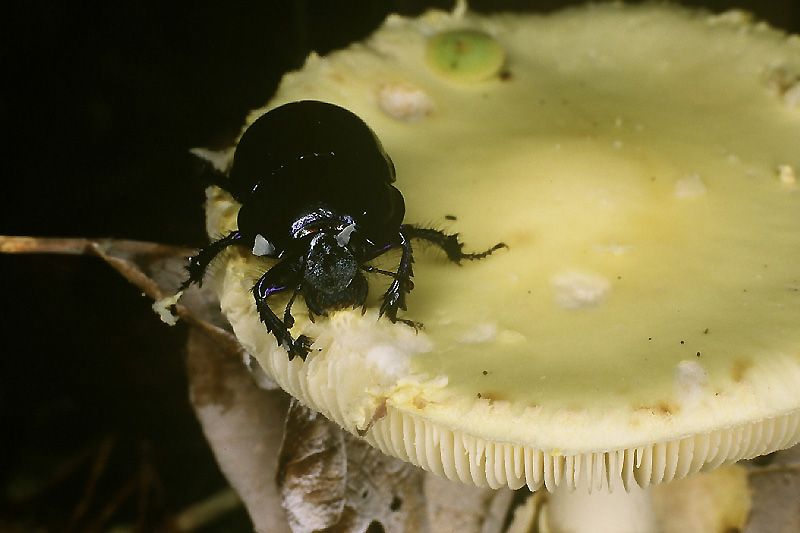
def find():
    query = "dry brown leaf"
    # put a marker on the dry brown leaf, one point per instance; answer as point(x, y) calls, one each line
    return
point(312, 470)
point(382, 489)
point(333, 481)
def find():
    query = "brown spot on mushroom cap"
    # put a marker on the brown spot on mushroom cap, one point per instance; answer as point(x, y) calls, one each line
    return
point(665, 408)
point(493, 396)
point(662, 408)
point(739, 369)
point(380, 412)
point(519, 236)
point(419, 402)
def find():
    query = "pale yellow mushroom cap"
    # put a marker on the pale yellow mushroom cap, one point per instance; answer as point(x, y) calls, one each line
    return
point(644, 323)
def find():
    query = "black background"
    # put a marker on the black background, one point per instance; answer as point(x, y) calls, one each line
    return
point(100, 104)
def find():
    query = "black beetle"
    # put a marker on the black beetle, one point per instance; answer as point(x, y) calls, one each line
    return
point(316, 190)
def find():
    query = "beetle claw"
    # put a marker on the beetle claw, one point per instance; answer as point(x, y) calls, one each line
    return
point(300, 347)
point(412, 324)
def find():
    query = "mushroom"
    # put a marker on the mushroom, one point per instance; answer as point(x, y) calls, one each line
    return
point(642, 326)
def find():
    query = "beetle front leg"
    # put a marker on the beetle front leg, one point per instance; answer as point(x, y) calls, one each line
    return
point(275, 280)
point(395, 296)
point(288, 319)
point(199, 263)
point(449, 243)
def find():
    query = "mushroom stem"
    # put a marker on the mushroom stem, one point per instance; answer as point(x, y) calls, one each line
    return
point(580, 511)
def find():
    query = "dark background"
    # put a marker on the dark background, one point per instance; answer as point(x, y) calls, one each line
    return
point(100, 104)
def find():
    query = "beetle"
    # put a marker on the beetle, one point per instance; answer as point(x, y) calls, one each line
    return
point(316, 194)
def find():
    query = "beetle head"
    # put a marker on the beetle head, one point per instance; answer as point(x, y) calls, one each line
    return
point(330, 266)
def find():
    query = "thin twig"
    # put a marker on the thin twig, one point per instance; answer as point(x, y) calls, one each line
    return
point(198, 515)
point(118, 253)
point(63, 471)
point(98, 468)
point(143, 502)
point(82, 246)
point(150, 488)
point(120, 497)
point(202, 513)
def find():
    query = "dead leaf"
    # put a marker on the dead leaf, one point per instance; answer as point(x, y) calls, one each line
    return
point(334, 481)
point(382, 489)
point(312, 470)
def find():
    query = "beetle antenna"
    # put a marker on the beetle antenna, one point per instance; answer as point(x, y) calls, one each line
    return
point(375, 270)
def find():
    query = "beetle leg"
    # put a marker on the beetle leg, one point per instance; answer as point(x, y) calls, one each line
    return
point(199, 263)
point(376, 270)
point(395, 296)
point(277, 279)
point(447, 242)
point(288, 319)
point(369, 268)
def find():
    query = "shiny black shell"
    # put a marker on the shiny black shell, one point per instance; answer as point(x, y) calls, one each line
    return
point(309, 155)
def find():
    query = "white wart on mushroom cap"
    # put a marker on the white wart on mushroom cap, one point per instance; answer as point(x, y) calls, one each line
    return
point(643, 324)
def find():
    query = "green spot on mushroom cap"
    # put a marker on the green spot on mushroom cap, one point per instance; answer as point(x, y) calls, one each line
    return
point(465, 56)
